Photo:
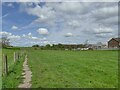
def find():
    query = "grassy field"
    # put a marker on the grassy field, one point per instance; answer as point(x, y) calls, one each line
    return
point(73, 69)
point(65, 69)
point(15, 69)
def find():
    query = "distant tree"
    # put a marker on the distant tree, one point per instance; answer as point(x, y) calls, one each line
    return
point(5, 42)
point(54, 47)
point(47, 46)
point(60, 46)
point(36, 45)
point(81, 46)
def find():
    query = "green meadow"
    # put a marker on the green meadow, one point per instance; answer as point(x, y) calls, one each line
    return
point(73, 69)
point(65, 69)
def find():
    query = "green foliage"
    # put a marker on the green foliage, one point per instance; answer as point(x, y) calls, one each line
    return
point(15, 70)
point(13, 48)
point(47, 46)
point(5, 42)
point(14, 77)
point(73, 69)
point(58, 47)
point(36, 45)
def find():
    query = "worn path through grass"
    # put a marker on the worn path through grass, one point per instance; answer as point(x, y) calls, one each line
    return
point(26, 75)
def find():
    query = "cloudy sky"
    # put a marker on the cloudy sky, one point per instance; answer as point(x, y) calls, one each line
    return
point(29, 23)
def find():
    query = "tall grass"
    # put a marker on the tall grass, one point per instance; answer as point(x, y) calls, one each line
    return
point(13, 79)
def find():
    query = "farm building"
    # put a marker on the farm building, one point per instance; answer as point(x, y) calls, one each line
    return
point(114, 43)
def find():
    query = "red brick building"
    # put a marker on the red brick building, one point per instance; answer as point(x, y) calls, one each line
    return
point(114, 43)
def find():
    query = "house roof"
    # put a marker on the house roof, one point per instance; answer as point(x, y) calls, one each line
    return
point(117, 39)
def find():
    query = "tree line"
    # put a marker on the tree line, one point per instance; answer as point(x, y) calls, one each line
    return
point(60, 46)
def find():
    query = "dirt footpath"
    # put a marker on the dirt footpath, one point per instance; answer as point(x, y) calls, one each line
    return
point(27, 74)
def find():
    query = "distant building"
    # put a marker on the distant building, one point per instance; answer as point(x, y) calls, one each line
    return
point(114, 43)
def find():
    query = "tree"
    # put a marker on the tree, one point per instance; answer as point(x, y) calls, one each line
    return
point(60, 46)
point(48, 46)
point(35, 45)
point(5, 42)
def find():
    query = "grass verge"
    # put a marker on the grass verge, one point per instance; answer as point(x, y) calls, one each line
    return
point(14, 77)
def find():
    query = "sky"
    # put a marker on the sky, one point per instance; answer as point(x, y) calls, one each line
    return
point(30, 23)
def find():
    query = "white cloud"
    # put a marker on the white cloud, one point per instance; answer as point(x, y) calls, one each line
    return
point(10, 36)
point(105, 12)
point(29, 34)
point(103, 30)
point(23, 35)
point(44, 15)
point(34, 38)
point(3, 33)
point(10, 5)
point(14, 27)
point(14, 37)
point(68, 35)
point(104, 35)
point(43, 31)
point(72, 7)
point(109, 21)
point(60, 0)
point(74, 23)
point(46, 42)
point(28, 0)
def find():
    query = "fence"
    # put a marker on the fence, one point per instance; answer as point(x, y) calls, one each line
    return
point(16, 57)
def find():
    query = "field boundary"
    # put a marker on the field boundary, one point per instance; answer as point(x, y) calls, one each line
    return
point(5, 65)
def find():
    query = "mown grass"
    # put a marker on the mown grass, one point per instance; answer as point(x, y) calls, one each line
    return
point(73, 69)
point(13, 79)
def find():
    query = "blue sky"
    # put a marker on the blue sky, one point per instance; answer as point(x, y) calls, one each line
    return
point(29, 23)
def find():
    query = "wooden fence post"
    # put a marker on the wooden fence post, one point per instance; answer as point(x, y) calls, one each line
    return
point(14, 57)
point(18, 56)
point(5, 64)
point(21, 54)
point(3, 70)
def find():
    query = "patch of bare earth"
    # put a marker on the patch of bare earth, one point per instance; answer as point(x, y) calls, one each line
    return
point(27, 74)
